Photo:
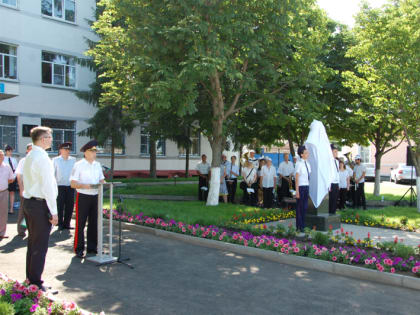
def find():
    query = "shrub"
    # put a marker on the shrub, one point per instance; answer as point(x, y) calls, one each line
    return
point(319, 238)
point(6, 308)
point(404, 220)
point(403, 251)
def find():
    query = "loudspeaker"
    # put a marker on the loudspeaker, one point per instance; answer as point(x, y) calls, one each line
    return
point(409, 157)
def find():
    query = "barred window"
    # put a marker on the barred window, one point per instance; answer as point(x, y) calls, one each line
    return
point(8, 62)
point(8, 131)
point(62, 131)
point(145, 143)
point(58, 70)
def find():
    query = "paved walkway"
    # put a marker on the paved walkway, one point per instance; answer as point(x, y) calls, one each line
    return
point(157, 197)
point(376, 234)
point(172, 277)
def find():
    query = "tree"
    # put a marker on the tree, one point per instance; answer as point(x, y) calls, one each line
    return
point(388, 52)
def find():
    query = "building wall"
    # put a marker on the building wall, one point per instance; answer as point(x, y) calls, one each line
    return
point(32, 33)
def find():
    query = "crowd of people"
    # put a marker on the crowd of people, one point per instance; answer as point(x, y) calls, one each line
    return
point(47, 188)
point(266, 187)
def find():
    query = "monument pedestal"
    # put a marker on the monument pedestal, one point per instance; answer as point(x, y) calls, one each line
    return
point(320, 218)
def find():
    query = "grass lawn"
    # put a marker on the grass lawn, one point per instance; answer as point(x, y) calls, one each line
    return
point(171, 190)
point(390, 192)
point(393, 214)
point(190, 212)
point(148, 179)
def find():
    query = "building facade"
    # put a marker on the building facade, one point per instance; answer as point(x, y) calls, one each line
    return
point(39, 43)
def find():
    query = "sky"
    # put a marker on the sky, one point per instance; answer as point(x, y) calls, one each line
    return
point(344, 10)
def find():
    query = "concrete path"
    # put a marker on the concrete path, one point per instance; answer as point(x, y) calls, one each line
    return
point(376, 234)
point(158, 197)
point(171, 182)
point(173, 277)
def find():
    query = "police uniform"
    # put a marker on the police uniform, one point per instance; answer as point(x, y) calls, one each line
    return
point(232, 181)
point(334, 190)
point(86, 173)
point(65, 200)
point(203, 180)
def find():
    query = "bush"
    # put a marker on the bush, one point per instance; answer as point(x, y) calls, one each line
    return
point(403, 251)
point(404, 221)
point(6, 308)
point(319, 238)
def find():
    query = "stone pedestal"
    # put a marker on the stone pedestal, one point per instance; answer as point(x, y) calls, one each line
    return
point(320, 218)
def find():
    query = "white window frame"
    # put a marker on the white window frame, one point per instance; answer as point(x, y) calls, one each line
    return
point(63, 18)
point(363, 151)
point(62, 130)
point(108, 148)
point(65, 66)
point(9, 5)
point(147, 135)
point(2, 55)
point(182, 151)
point(14, 144)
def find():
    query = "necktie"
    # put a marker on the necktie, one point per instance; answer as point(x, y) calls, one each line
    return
point(307, 170)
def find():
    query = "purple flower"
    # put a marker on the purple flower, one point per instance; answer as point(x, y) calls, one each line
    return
point(15, 297)
point(2, 292)
point(33, 308)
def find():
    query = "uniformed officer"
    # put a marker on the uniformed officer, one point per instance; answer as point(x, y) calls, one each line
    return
point(333, 193)
point(63, 165)
point(85, 173)
point(203, 170)
point(254, 161)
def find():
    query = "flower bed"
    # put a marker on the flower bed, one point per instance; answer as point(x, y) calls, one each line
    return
point(22, 298)
point(351, 217)
point(342, 248)
point(262, 216)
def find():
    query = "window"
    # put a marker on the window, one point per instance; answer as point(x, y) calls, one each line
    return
point(106, 149)
point(11, 3)
point(63, 130)
point(60, 9)
point(8, 62)
point(8, 131)
point(145, 144)
point(58, 70)
point(195, 146)
point(365, 154)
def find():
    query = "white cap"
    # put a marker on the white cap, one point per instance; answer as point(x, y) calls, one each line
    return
point(357, 157)
point(267, 158)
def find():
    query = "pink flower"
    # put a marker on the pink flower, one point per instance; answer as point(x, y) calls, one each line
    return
point(282, 249)
point(276, 244)
point(213, 233)
point(296, 249)
point(220, 237)
point(334, 258)
point(184, 230)
point(235, 237)
point(245, 243)
point(268, 242)
point(33, 308)
point(392, 270)
point(255, 240)
point(286, 251)
point(367, 262)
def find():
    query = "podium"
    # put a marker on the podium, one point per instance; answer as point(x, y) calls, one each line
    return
point(101, 258)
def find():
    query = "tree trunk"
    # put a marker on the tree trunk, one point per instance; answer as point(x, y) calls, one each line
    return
point(216, 148)
point(291, 147)
point(377, 188)
point(152, 157)
point(111, 175)
point(187, 161)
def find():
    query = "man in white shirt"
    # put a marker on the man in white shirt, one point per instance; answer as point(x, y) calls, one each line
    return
point(203, 170)
point(359, 173)
point(254, 161)
point(286, 171)
point(6, 177)
point(232, 173)
point(333, 193)
point(268, 182)
point(40, 202)
point(86, 173)
point(19, 172)
point(63, 165)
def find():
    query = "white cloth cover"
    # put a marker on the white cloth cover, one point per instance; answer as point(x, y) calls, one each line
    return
point(321, 161)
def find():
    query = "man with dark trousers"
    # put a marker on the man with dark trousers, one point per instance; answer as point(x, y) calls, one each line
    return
point(203, 170)
point(359, 173)
point(333, 194)
point(39, 203)
point(19, 172)
point(232, 174)
point(85, 176)
point(63, 165)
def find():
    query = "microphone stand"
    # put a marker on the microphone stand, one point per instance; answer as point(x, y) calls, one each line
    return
point(121, 260)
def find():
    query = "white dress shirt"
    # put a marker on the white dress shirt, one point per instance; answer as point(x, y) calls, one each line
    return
point(87, 174)
point(358, 171)
point(249, 175)
point(19, 168)
point(286, 169)
point(234, 169)
point(203, 168)
point(6, 174)
point(303, 172)
point(336, 177)
point(343, 178)
point(13, 160)
point(268, 174)
point(62, 169)
point(38, 178)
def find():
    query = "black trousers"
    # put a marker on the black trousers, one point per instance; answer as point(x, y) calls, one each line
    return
point(333, 199)
point(342, 197)
point(86, 210)
point(284, 190)
point(302, 207)
point(231, 187)
point(250, 199)
point(360, 196)
point(39, 227)
point(203, 182)
point(268, 197)
point(65, 205)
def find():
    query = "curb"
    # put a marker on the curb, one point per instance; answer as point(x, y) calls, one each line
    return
point(297, 261)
